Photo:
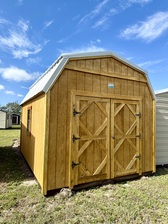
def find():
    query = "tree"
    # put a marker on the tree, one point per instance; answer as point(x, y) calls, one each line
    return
point(13, 108)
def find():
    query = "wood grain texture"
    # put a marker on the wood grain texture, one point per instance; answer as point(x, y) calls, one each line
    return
point(32, 145)
point(83, 79)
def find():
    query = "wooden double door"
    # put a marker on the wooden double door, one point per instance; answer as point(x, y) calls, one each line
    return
point(105, 139)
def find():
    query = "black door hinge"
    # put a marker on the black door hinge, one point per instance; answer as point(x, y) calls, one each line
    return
point(138, 136)
point(138, 115)
point(74, 164)
point(75, 112)
point(74, 138)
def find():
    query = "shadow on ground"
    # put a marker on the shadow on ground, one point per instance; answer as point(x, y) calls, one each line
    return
point(13, 166)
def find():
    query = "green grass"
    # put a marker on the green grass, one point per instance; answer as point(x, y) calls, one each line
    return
point(140, 201)
point(7, 135)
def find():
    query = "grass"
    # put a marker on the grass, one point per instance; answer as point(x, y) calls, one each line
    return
point(7, 135)
point(139, 201)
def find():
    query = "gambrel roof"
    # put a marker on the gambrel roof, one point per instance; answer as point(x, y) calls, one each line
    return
point(44, 83)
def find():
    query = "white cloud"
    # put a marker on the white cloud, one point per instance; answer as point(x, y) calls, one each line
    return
point(33, 60)
point(140, 1)
point(93, 13)
point(24, 87)
point(24, 25)
point(48, 23)
point(75, 18)
point(124, 4)
point(14, 39)
point(9, 92)
point(94, 42)
point(155, 26)
point(2, 87)
point(15, 74)
point(99, 7)
point(19, 95)
point(102, 21)
point(150, 63)
point(3, 21)
point(105, 10)
point(88, 48)
point(20, 2)
point(63, 40)
point(129, 58)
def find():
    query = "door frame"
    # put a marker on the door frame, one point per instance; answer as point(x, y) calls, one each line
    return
point(74, 93)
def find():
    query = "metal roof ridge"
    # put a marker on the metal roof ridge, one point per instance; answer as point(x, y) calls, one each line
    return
point(161, 91)
point(50, 67)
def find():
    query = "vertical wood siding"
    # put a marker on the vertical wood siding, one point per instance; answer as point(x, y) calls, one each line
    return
point(32, 144)
point(93, 75)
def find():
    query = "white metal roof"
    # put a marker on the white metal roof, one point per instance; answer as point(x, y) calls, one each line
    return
point(44, 83)
point(161, 91)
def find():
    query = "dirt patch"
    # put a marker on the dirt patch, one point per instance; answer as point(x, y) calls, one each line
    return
point(16, 143)
point(28, 183)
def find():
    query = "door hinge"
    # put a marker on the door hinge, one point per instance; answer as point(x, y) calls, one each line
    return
point(138, 136)
point(138, 157)
point(138, 115)
point(74, 164)
point(74, 138)
point(75, 112)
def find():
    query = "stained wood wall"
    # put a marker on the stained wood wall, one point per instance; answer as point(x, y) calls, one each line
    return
point(93, 76)
point(32, 144)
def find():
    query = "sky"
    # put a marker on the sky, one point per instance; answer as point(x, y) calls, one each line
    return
point(34, 33)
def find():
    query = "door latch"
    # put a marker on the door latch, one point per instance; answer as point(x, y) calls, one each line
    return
point(75, 138)
point(138, 157)
point(74, 164)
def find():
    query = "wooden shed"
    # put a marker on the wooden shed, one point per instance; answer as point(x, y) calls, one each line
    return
point(162, 127)
point(5, 120)
point(90, 117)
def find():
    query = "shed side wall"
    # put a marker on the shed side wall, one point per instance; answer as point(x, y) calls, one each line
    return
point(32, 145)
point(161, 130)
point(80, 76)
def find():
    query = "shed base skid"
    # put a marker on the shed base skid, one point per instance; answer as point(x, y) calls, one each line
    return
point(100, 183)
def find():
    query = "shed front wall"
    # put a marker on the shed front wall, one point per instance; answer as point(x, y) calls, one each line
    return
point(162, 129)
point(32, 143)
point(2, 119)
point(5, 120)
point(91, 77)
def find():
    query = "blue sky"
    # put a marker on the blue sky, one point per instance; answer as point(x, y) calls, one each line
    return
point(34, 33)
